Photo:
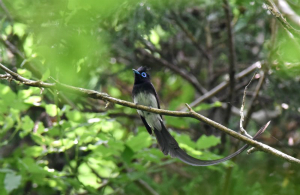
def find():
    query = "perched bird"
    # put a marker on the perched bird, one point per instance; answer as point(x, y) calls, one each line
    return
point(144, 94)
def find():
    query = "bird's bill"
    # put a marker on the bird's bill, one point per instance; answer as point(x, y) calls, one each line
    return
point(135, 71)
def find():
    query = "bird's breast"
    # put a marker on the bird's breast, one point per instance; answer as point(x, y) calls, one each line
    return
point(146, 99)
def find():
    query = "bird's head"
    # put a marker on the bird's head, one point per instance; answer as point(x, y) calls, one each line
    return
point(141, 75)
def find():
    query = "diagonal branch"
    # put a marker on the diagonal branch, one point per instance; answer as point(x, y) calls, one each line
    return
point(187, 76)
point(107, 98)
point(224, 84)
point(275, 11)
point(191, 37)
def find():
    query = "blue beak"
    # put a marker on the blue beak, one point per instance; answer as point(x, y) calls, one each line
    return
point(135, 71)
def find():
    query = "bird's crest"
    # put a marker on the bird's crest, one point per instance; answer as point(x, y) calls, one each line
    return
point(143, 69)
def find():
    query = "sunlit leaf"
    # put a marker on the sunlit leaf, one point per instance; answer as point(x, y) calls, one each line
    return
point(25, 73)
point(207, 141)
point(140, 141)
point(87, 177)
point(154, 37)
point(75, 116)
point(12, 181)
point(114, 92)
point(27, 126)
point(33, 151)
point(35, 100)
point(19, 29)
point(204, 106)
point(46, 75)
point(51, 109)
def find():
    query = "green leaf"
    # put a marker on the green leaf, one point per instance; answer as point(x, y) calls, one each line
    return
point(152, 155)
point(8, 123)
point(23, 72)
point(51, 109)
point(19, 29)
point(75, 116)
point(12, 181)
point(23, 94)
point(41, 140)
point(86, 176)
point(27, 126)
point(35, 100)
point(176, 121)
point(127, 154)
point(154, 37)
point(7, 95)
point(205, 106)
point(33, 151)
point(140, 141)
point(115, 92)
point(32, 167)
point(40, 128)
point(46, 75)
point(207, 141)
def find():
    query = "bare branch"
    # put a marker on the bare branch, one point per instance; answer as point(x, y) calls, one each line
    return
point(253, 99)
point(232, 59)
point(146, 188)
point(190, 36)
point(223, 85)
point(6, 10)
point(191, 114)
point(275, 11)
point(244, 132)
point(188, 77)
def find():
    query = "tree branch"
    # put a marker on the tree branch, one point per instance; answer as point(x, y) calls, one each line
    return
point(232, 59)
point(223, 85)
point(190, 36)
point(107, 98)
point(6, 10)
point(253, 99)
point(275, 11)
point(185, 75)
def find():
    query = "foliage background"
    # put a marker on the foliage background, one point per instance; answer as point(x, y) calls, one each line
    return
point(58, 143)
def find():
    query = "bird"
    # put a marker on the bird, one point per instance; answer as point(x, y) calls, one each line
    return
point(144, 93)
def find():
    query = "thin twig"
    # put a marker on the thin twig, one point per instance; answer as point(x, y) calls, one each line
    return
point(190, 114)
point(275, 11)
point(187, 76)
point(6, 11)
point(147, 189)
point(224, 84)
point(190, 36)
point(243, 131)
point(253, 99)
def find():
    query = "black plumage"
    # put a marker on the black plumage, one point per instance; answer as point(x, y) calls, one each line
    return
point(144, 93)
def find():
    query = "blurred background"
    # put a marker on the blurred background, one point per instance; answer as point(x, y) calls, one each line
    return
point(55, 142)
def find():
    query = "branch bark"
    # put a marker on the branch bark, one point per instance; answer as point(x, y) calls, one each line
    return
point(105, 97)
point(224, 84)
point(187, 76)
point(275, 11)
point(232, 59)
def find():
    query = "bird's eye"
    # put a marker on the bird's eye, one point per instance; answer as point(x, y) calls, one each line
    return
point(144, 74)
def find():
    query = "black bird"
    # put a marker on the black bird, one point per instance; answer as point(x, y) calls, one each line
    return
point(144, 94)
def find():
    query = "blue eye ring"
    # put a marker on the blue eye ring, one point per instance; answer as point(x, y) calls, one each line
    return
point(144, 74)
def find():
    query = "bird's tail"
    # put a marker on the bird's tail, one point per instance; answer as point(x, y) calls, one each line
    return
point(170, 146)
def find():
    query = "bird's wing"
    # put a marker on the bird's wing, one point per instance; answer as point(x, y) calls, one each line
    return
point(146, 125)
